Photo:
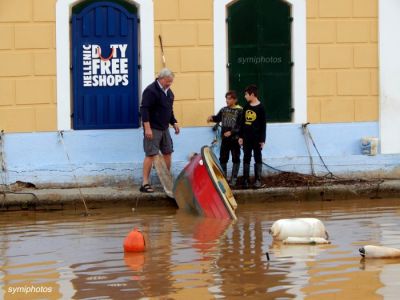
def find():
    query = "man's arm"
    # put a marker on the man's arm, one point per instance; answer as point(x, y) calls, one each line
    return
point(147, 101)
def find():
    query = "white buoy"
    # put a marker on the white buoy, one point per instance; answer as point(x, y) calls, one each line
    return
point(305, 241)
point(371, 251)
point(305, 228)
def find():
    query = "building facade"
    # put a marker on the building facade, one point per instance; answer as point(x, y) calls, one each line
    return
point(334, 52)
point(327, 62)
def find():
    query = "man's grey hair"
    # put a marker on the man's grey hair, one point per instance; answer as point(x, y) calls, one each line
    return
point(165, 73)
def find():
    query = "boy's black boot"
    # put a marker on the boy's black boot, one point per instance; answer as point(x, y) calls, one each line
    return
point(257, 175)
point(223, 166)
point(246, 175)
point(235, 171)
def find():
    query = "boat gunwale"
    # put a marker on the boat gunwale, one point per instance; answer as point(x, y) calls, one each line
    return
point(216, 186)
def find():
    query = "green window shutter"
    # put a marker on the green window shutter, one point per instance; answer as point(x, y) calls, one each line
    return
point(259, 52)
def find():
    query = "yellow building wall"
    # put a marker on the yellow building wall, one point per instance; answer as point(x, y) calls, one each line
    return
point(186, 28)
point(342, 60)
point(28, 65)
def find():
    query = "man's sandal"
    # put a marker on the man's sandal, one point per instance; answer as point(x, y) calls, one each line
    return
point(146, 188)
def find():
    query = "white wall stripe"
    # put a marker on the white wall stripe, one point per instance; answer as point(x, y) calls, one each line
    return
point(389, 76)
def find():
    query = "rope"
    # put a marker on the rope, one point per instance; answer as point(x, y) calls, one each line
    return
point(98, 52)
point(3, 167)
point(275, 169)
point(61, 136)
point(2, 160)
point(307, 141)
point(308, 134)
point(216, 142)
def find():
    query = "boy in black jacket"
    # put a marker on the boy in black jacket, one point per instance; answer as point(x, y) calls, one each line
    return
point(252, 135)
point(229, 116)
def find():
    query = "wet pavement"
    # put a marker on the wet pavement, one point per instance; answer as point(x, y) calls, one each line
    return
point(100, 197)
point(64, 255)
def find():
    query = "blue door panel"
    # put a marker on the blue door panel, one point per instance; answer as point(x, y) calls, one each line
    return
point(105, 67)
point(112, 19)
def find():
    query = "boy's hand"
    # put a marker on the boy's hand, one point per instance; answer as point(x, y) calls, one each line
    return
point(240, 141)
point(227, 134)
point(262, 145)
point(209, 119)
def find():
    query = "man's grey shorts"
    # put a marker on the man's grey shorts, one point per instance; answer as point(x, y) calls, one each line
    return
point(161, 141)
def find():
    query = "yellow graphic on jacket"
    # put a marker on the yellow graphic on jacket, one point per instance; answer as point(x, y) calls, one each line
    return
point(250, 116)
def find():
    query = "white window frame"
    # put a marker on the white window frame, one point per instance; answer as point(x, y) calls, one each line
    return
point(389, 76)
point(299, 56)
point(63, 48)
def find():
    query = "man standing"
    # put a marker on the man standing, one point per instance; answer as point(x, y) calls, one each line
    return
point(157, 114)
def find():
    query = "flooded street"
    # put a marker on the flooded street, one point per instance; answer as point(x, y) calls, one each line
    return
point(64, 255)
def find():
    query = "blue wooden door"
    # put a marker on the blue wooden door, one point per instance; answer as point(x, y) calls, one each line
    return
point(105, 66)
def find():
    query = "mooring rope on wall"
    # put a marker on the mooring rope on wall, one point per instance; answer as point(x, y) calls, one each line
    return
point(2, 167)
point(61, 138)
point(2, 160)
point(308, 136)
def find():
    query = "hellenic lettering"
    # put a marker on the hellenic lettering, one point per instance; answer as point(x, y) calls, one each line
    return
point(105, 69)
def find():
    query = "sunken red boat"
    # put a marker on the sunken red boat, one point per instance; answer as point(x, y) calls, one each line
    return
point(202, 188)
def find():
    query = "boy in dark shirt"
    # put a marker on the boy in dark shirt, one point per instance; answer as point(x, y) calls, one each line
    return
point(252, 135)
point(229, 116)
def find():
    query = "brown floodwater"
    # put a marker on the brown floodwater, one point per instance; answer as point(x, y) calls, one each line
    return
point(64, 255)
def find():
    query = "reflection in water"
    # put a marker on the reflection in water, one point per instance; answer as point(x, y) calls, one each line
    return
point(199, 258)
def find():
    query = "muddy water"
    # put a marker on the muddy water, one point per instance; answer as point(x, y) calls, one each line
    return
point(63, 255)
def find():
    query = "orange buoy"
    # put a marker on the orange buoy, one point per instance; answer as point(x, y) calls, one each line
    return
point(134, 242)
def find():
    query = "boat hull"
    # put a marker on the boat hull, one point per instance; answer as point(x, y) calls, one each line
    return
point(202, 188)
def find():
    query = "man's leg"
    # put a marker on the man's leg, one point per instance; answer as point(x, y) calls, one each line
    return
point(168, 158)
point(147, 164)
point(151, 148)
point(167, 147)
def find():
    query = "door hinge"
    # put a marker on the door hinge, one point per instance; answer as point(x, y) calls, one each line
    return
point(72, 115)
point(292, 110)
point(228, 65)
point(138, 20)
point(139, 67)
point(290, 19)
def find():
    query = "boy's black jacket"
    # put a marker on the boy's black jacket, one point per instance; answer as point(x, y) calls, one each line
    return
point(230, 119)
point(253, 124)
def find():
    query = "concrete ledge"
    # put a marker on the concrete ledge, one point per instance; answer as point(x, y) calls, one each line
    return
point(97, 197)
